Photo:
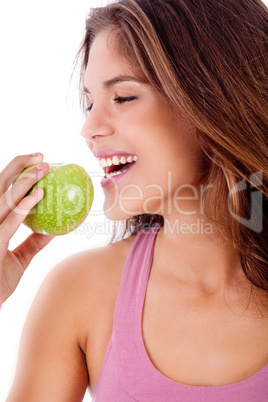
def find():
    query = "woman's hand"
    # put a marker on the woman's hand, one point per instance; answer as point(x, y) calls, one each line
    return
point(14, 206)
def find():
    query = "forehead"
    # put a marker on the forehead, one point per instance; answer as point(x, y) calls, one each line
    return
point(105, 60)
point(103, 54)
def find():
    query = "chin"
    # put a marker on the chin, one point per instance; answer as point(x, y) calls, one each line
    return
point(115, 214)
point(115, 210)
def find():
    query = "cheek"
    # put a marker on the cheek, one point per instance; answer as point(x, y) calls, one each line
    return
point(140, 119)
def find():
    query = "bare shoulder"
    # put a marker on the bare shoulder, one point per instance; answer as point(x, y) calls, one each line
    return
point(84, 275)
point(82, 289)
point(92, 267)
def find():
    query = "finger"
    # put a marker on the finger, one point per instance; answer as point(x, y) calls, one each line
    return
point(15, 167)
point(15, 218)
point(14, 195)
point(30, 247)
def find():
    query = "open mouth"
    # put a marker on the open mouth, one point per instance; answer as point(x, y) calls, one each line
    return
point(117, 165)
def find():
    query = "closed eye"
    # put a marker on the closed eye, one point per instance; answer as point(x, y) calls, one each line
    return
point(118, 99)
point(88, 109)
point(123, 99)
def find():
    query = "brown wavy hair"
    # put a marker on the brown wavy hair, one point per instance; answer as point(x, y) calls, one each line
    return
point(210, 60)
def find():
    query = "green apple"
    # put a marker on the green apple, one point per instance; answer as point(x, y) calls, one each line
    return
point(67, 200)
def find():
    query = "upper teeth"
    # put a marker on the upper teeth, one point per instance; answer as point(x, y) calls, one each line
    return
point(117, 160)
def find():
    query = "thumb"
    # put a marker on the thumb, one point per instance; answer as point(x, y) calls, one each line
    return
point(30, 247)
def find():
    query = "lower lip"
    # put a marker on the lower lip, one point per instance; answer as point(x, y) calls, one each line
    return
point(109, 181)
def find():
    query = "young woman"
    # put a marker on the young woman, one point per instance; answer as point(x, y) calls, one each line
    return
point(176, 94)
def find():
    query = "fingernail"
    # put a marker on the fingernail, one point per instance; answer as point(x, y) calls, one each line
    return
point(41, 166)
point(36, 154)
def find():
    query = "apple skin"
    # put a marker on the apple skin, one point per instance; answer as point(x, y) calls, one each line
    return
point(67, 200)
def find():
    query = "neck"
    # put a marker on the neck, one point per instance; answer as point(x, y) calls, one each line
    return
point(191, 248)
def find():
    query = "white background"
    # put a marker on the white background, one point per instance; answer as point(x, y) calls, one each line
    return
point(39, 112)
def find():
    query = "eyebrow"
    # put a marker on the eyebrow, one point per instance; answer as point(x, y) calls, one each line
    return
point(121, 78)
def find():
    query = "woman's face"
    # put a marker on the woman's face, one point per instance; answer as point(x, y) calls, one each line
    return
point(129, 119)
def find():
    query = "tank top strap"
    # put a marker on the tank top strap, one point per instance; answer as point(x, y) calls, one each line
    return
point(134, 280)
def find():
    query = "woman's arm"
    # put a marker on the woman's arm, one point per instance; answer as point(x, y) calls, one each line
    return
point(51, 365)
point(72, 314)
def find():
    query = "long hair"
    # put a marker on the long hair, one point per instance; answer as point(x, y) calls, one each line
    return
point(210, 60)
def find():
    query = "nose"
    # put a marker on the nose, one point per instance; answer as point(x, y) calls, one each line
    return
point(97, 124)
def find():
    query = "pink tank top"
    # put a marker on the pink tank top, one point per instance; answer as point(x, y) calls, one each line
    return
point(127, 374)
